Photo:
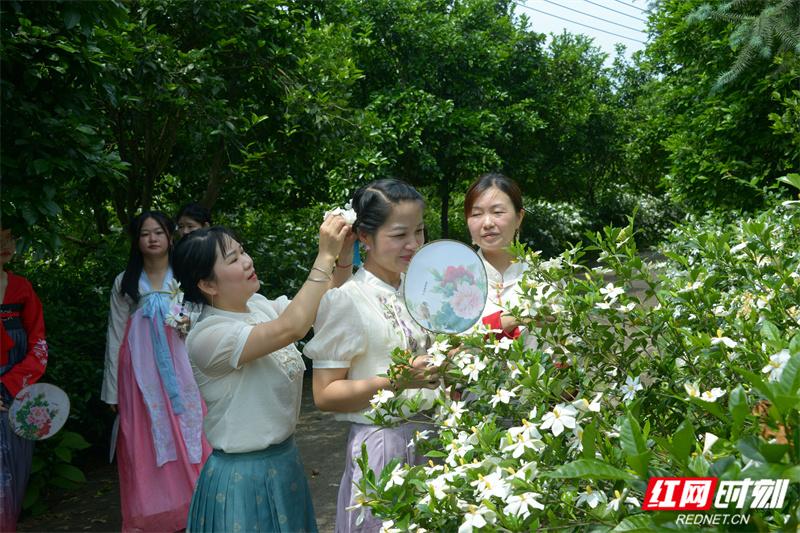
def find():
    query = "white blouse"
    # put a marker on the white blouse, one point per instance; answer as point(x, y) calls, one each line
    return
point(357, 327)
point(504, 292)
point(251, 405)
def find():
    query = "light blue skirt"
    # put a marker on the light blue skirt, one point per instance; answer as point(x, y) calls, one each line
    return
point(265, 490)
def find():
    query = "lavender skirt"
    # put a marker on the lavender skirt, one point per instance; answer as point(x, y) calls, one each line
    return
point(383, 445)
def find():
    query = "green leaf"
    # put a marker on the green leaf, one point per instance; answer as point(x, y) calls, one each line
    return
point(711, 407)
point(587, 469)
point(41, 166)
point(773, 453)
point(37, 464)
point(790, 377)
point(73, 440)
point(792, 179)
point(64, 454)
point(749, 447)
point(71, 18)
point(637, 523)
point(31, 497)
point(630, 436)
point(588, 440)
point(683, 440)
point(737, 405)
point(756, 382)
point(770, 331)
point(70, 472)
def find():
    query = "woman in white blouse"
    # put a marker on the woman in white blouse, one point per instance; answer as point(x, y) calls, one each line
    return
point(251, 376)
point(357, 327)
point(494, 212)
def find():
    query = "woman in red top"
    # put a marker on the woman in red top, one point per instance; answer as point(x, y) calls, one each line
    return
point(23, 358)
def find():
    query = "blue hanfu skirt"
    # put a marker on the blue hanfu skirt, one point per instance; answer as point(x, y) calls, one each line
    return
point(265, 490)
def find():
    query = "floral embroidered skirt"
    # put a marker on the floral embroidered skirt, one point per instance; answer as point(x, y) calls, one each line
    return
point(265, 490)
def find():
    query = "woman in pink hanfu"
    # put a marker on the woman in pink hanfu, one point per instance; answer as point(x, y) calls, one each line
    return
point(148, 380)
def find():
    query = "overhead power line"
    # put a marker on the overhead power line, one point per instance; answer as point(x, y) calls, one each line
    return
point(629, 5)
point(579, 23)
point(593, 16)
point(614, 10)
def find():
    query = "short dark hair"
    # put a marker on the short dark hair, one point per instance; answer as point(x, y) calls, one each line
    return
point(130, 279)
point(194, 258)
point(487, 181)
point(196, 212)
point(373, 202)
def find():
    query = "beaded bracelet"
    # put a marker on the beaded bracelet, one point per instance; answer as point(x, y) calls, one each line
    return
point(348, 265)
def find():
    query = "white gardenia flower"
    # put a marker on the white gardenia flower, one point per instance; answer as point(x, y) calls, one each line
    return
point(739, 247)
point(347, 213)
point(692, 389)
point(562, 416)
point(630, 387)
point(503, 396)
point(720, 339)
point(439, 347)
point(437, 486)
point(500, 344)
point(492, 485)
point(576, 442)
point(473, 369)
point(521, 504)
point(613, 505)
point(590, 497)
point(476, 518)
point(582, 404)
point(611, 292)
point(523, 437)
point(381, 397)
point(708, 443)
point(397, 477)
point(436, 360)
point(712, 395)
point(777, 362)
point(603, 305)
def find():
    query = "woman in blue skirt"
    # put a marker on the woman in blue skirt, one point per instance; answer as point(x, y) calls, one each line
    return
point(251, 377)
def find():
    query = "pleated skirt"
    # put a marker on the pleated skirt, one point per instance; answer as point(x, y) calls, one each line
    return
point(16, 455)
point(265, 490)
point(383, 445)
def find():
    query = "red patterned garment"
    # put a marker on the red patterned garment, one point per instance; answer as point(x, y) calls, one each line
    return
point(22, 324)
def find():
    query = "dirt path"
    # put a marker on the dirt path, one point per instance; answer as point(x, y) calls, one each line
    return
point(95, 506)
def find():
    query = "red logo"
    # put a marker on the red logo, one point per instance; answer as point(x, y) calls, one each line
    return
point(679, 493)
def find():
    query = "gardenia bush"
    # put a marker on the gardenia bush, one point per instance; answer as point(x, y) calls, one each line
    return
point(690, 367)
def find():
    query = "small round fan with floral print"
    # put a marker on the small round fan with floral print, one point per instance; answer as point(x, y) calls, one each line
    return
point(39, 411)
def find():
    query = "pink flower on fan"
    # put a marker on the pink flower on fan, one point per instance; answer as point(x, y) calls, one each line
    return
point(38, 416)
point(466, 300)
point(453, 274)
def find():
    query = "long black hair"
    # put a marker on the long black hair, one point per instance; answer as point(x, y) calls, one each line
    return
point(373, 202)
point(194, 259)
point(130, 279)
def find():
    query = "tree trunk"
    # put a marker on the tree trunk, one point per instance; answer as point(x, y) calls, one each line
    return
point(444, 197)
point(215, 177)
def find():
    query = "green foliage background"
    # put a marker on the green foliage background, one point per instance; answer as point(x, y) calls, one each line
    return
point(271, 112)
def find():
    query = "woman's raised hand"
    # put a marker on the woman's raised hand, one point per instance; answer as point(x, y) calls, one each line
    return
point(332, 234)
